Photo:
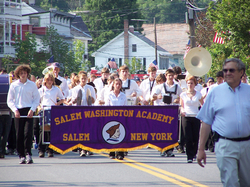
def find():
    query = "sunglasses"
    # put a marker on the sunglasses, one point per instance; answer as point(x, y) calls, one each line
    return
point(230, 70)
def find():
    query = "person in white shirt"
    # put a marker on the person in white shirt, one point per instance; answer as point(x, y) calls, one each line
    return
point(190, 102)
point(116, 98)
point(102, 81)
point(23, 99)
point(147, 86)
point(169, 88)
point(84, 87)
point(102, 96)
point(63, 85)
point(48, 94)
point(129, 87)
point(204, 91)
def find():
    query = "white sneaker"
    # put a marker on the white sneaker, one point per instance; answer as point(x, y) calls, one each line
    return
point(82, 153)
point(22, 160)
point(29, 159)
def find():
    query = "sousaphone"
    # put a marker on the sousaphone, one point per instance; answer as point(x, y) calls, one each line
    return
point(198, 61)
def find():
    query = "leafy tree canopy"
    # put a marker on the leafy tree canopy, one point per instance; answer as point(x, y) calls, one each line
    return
point(231, 21)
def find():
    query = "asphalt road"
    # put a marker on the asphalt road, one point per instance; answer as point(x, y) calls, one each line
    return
point(143, 167)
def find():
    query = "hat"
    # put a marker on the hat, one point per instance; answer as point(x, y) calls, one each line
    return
point(145, 76)
point(210, 78)
point(136, 79)
point(55, 65)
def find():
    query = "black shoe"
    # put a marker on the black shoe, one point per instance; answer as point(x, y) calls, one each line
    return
point(119, 157)
point(125, 153)
point(82, 153)
point(190, 161)
point(169, 153)
point(41, 154)
point(50, 154)
point(22, 160)
point(112, 157)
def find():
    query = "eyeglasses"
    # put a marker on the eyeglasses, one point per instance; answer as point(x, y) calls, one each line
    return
point(230, 70)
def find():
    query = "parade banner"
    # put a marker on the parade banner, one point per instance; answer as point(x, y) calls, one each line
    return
point(113, 128)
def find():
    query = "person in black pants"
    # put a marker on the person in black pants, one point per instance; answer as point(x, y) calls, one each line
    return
point(23, 99)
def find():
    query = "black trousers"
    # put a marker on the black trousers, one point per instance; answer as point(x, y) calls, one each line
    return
point(24, 133)
point(191, 129)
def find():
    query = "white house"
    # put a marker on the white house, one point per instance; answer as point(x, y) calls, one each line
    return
point(131, 44)
point(19, 17)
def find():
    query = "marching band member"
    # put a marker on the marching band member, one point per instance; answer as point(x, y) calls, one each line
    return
point(80, 99)
point(116, 98)
point(101, 97)
point(129, 87)
point(23, 99)
point(63, 85)
point(147, 86)
point(48, 94)
point(169, 88)
point(190, 102)
point(102, 81)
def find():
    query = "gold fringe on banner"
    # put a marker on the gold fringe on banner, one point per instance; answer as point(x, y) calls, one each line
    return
point(112, 150)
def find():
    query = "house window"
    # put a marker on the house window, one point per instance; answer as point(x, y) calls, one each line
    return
point(144, 63)
point(176, 60)
point(35, 21)
point(134, 48)
point(120, 62)
point(164, 63)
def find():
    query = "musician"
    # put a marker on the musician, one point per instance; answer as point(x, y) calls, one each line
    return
point(169, 88)
point(23, 99)
point(101, 97)
point(102, 81)
point(129, 87)
point(79, 98)
point(48, 94)
point(147, 86)
point(190, 102)
point(116, 98)
point(63, 85)
point(83, 86)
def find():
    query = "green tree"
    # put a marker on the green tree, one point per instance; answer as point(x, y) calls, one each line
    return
point(53, 44)
point(134, 65)
point(231, 21)
point(26, 48)
point(105, 19)
point(79, 55)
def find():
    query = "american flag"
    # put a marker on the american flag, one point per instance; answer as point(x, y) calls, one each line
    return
point(51, 59)
point(154, 64)
point(112, 64)
point(187, 50)
point(218, 39)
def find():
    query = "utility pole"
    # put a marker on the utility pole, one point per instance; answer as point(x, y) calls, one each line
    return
point(155, 41)
point(191, 13)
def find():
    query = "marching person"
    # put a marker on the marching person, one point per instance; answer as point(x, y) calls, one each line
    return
point(48, 94)
point(147, 86)
point(190, 101)
point(79, 94)
point(116, 98)
point(227, 110)
point(169, 88)
point(129, 87)
point(101, 97)
point(102, 81)
point(64, 86)
point(219, 79)
point(23, 99)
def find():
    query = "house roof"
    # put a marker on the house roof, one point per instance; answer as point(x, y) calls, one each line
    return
point(78, 33)
point(38, 9)
point(79, 26)
point(141, 37)
point(171, 37)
